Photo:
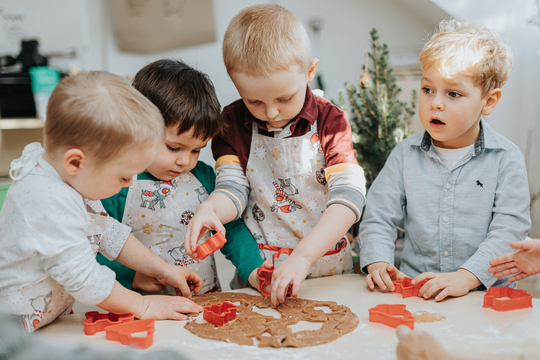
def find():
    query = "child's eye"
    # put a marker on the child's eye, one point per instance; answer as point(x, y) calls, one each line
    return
point(196, 151)
point(454, 94)
point(126, 180)
point(285, 100)
point(173, 149)
point(427, 90)
point(253, 102)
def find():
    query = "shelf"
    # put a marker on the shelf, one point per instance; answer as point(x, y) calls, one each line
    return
point(17, 124)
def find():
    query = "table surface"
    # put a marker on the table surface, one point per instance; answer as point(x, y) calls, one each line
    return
point(469, 331)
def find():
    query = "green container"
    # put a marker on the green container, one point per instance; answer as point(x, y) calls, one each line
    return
point(3, 191)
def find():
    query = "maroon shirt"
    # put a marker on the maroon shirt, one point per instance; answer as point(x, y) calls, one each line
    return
point(332, 126)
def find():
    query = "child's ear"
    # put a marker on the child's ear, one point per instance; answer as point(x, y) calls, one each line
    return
point(73, 159)
point(312, 69)
point(492, 98)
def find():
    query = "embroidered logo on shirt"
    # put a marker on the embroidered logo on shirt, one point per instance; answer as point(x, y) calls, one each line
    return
point(153, 197)
point(479, 184)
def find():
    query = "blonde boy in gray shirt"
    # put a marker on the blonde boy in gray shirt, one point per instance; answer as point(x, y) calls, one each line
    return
point(458, 188)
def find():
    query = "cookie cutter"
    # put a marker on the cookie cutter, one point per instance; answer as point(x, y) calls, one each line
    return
point(123, 333)
point(211, 245)
point(219, 314)
point(507, 299)
point(96, 322)
point(391, 315)
point(406, 288)
point(265, 274)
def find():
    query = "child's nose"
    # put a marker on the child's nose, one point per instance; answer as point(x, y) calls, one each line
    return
point(271, 112)
point(437, 103)
point(183, 158)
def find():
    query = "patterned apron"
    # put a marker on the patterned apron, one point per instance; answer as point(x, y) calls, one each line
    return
point(40, 304)
point(288, 197)
point(158, 213)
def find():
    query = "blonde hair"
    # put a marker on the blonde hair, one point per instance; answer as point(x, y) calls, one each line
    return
point(476, 51)
point(265, 38)
point(100, 113)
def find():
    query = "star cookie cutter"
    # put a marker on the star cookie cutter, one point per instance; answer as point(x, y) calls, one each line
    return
point(96, 322)
point(507, 299)
point(219, 314)
point(211, 245)
point(406, 288)
point(391, 315)
point(265, 274)
point(123, 333)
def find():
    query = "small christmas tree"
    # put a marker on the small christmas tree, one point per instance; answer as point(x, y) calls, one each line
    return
point(378, 119)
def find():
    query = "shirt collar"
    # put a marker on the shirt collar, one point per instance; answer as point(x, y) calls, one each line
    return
point(309, 112)
point(479, 145)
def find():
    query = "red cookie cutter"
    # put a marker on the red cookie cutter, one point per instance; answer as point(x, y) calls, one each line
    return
point(265, 274)
point(513, 299)
point(211, 245)
point(219, 314)
point(124, 333)
point(406, 288)
point(96, 322)
point(391, 315)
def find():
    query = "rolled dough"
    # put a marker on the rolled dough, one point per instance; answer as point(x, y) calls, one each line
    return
point(272, 332)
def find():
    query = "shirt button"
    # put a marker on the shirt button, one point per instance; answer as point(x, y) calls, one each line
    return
point(448, 186)
point(446, 219)
point(446, 253)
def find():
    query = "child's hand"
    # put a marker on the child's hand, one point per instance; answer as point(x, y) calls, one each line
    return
point(162, 307)
point(146, 283)
point(382, 274)
point(293, 270)
point(418, 345)
point(204, 219)
point(524, 263)
point(457, 283)
point(256, 282)
point(183, 279)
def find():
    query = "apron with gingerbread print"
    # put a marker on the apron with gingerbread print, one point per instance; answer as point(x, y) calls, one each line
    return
point(288, 197)
point(158, 213)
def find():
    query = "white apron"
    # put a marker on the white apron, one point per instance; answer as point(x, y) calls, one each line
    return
point(288, 197)
point(158, 213)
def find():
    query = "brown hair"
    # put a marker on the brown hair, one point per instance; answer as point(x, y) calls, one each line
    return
point(100, 113)
point(185, 97)
point(265, 38)
point(462, 47)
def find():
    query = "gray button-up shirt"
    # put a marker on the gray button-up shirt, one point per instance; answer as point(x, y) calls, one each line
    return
point(460, 217)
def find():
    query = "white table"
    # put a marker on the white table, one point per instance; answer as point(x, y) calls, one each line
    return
point(469, 331)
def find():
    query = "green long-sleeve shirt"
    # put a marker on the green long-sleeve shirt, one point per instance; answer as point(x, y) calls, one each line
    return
point(241, 249)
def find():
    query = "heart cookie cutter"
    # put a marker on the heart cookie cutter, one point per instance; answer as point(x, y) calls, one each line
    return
point(392, 315)
point(123, 333)
point(265, 274)
point(96, 322)
point(211, 245)
point(507, 299)
point(219, 314)
point(406, 288)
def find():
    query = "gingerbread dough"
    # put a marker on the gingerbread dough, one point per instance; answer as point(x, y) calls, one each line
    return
point(426, 316)
point(272, 332)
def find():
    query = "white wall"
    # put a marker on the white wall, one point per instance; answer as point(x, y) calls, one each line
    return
point(518, 112)
point(85, 25)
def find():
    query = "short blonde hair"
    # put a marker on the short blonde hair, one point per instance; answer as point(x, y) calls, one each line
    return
point(100, 113)
point(263, 39)
point(476, 51)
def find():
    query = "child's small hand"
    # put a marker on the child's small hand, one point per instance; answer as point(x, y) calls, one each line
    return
point(256, 282)
point(382, 274)
point(418, 345)
point(146, 283)
point(292, 271)
point(457, 283)
point(204, 219)
point(162, 307)
point(523, 263)
point(183, 279)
